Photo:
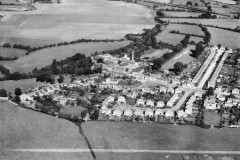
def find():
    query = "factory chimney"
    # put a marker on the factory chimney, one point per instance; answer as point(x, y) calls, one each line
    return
point(132, 55)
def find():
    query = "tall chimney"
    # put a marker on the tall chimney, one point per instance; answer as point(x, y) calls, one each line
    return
point(132, 55)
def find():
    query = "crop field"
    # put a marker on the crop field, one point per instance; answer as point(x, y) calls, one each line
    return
point(45, 57)
point(228, 23)
point(24, 84)
point(75, 19)
point(183, 57)
point(224, 37)
point(184, 2)
point(181, 14)
point(11, 52)
point(170, 38)
point(224, 10)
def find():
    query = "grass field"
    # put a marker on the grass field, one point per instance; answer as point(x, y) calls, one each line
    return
point(227, 1)
point(156, 53)
point(24, 84)
point(196, 39)
point(45, 57)
point(75, 19)
point(224, 37)
point(183, 57)
point(11, 52)
point(228, 23)
point(9, 1)
point(74, 111)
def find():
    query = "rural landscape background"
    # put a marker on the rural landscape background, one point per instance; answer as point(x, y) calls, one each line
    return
point(106, 23)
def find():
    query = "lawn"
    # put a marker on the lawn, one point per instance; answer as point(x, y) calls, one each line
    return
point(11, 52)
point(156, 53)
point(24, 84)
point(228, 23)
point(224, 37)
point(45, 57)
point(75, 19)
point(183, 57)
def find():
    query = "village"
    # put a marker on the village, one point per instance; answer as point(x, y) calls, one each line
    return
point(128, 90)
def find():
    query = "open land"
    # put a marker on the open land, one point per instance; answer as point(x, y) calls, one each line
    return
point(224, 37)
point(71, 20)
point(45, 57)
point(183, 57)
point(227, 23)
point(11, 52)
point(156, 54)
point(181, 14)
point(227, 1)
point(26, 129)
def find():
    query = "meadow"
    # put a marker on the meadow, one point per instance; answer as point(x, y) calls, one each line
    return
point(156, 54)
point(181, 14)
point(224, 37)
point(11, 52)
point(226, 1)
point(227, 23)
point(75, 19)
point(44, 57)
point(183, 57)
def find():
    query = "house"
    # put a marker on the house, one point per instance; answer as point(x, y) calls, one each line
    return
point(150, 103)
point(163, 89)
point(170, 90)
point(221, 97)
point(25, 97)
point(149, 112)
point(128, 112)
point(160, 104)
point(121, 99)
point(178, 91)
point(235, 91)
point(138, 112)
point(169, 113)
point(189, 111)
point(138, 70)
point(110, 99)
point(210, 105)
point(198, 94)
point(117, 112)
point(175, 81)
point(159, 112)
point(181, 113)
point(140, 102)
point(229, 105)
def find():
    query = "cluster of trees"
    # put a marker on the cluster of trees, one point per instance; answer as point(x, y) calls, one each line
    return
point(8, 58)
point(178, 68)
point(158, 62)
point(3, 93)
point(17, 93)
point(4, 70)
point(207, 37)
point(29, 49)
point(207, 15)
point(198, 50)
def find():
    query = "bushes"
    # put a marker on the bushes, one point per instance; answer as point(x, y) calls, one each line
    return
point(3, 93)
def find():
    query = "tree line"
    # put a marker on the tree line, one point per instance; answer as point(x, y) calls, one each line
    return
point(30, 49)
point(8, 58)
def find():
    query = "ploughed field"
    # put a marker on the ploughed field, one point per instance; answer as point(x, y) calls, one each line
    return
point(74, 19)
point(26, 129)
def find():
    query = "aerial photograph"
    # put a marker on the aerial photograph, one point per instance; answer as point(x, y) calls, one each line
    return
point(119, 79)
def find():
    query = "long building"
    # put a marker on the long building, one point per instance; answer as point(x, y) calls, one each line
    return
point(212, 81)
point(205, 65)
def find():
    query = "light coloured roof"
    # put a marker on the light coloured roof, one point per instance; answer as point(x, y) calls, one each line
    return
point(158, 112)
point(128, 112)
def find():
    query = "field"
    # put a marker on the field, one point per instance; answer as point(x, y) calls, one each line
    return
point(196, 39)
point(9, 1)
point(74, 111)
point(45, 57)
point(174, 39)
point(183, 57)
point(181, 14)
point(11, 52)
point(184, 2)
point(227, 1)
point(26, 129)
point(74, 19)
point(228, 23)
point(224, 37)
point(24, 84)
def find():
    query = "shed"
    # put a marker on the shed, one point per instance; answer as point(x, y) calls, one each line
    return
point(160, 104)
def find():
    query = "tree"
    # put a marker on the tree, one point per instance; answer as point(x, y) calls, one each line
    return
point(17, 99)
point(210, 91)
point(18, 92)
point(189, 3)
point(3, 93)
point(100, 60)
point(61, 78)
point(209, 8)
point(178, 66)
point(219, 46)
